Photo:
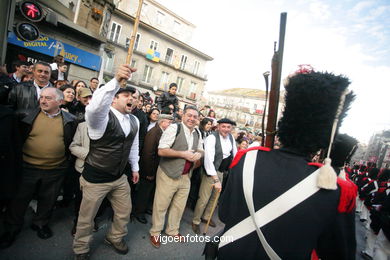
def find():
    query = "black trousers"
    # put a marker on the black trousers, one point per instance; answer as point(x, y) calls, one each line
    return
point(46, 185)
point(145, 196)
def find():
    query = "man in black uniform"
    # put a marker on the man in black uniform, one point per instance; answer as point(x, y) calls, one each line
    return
point(277, 204)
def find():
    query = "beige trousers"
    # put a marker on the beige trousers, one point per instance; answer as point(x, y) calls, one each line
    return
point(118, 193)
point(172, 194)
point(207, 196)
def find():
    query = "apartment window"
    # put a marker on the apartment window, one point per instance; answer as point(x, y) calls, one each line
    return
point(192, 87)
point(160, 17)
point(164, 80)
point(180, 82)
point(196, 67)
point(109, 61)
point(147, 74)
point(153, 45)
point(133, 64)
point(144, 9)
point(127, 42)
point(176, 27)
point(137, 39)
point(169, 56)
point(183, 62)
point(115, 32)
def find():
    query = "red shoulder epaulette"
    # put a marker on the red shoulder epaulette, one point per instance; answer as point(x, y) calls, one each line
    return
point(319, 165)
point(241, 153)
point(348, 193)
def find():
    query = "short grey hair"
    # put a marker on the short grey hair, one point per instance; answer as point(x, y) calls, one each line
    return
point(58, 93)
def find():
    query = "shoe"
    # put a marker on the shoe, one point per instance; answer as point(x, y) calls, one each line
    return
point(365, 255)
point(7, 239)
point(74, 229)
point(141, 219)
point(120, 247)
point(84, 256)
point(155, 241)
point(196, 228)
point(95, 226)
point(179, 238)
point(43, 232)
point(212, 224)
point(149, 212)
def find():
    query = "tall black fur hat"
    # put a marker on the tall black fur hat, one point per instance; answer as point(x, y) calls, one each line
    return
point(344, 147)
point(311, 103)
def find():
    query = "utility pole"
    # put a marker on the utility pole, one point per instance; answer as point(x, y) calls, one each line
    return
point(7, 10)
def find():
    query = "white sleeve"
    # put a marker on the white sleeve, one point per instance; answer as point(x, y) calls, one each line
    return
point(96, 113)
point(168, 137)
point(134, 151)
point(209, 153)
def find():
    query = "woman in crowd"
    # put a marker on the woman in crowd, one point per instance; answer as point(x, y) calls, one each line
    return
point(153, 117)
point(69, 95)
point(205, 127)
point(242, 144)
point(211, 115)
point(80, 84)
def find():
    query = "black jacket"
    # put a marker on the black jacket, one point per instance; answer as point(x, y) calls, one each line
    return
point(143, 126)
point(23, 98)
point(6, 84)
point(69, 123)
point(166, 99)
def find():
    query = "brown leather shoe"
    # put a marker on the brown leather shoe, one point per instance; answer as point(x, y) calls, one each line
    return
point(120, 247)
point(195, 228)
point(212, 224)
point(155, 241)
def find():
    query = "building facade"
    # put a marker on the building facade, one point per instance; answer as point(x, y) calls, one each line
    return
point(75, 29)
point(162, 53)
point(245, 106)
point(378, 149)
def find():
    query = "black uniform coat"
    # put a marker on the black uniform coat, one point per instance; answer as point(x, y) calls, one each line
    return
point(294, 234)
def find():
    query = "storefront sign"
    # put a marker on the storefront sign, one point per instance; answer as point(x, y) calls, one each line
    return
point(52, 47)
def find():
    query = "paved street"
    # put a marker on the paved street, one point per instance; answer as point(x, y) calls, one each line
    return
point(28, 246)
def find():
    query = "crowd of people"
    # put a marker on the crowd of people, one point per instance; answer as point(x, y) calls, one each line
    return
point(112, 147)
point(62, 140)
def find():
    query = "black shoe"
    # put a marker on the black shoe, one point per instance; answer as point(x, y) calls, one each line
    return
point(7, 239)
point(365, 255)
point(74, 228)
point(95, 226)
point(196, 228)
point(149, 212)
point(120, 247)
point(141, 219)
point(43, 232)
point(81, 256)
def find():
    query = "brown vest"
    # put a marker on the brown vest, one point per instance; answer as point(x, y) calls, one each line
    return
point(173, 167)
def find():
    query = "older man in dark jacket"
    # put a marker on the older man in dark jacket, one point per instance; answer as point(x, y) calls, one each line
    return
point(46, 133)
point(24, 97)
point(148, 164)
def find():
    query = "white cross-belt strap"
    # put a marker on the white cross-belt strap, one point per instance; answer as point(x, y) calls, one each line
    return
point(247, 185)
point(288, 200)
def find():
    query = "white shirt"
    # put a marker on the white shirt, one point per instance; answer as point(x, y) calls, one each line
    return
point(16, 78)
point(60, 75)
point(53, 66)
point(209, 152)
point(96, 116)
point(151, 125)
point(39, 89)
point(169, 135)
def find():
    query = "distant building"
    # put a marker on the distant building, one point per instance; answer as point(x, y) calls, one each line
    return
point(245, 106)
point(162, 53)
point(378, 149)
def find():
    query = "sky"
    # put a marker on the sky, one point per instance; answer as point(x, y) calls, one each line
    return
point(346, 37)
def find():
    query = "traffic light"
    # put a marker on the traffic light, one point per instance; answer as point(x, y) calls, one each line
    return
point(33, 12)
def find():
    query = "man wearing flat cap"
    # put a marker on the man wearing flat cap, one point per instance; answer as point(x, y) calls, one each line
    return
point(220, 150)
point(148, 168)
point(113, 133)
